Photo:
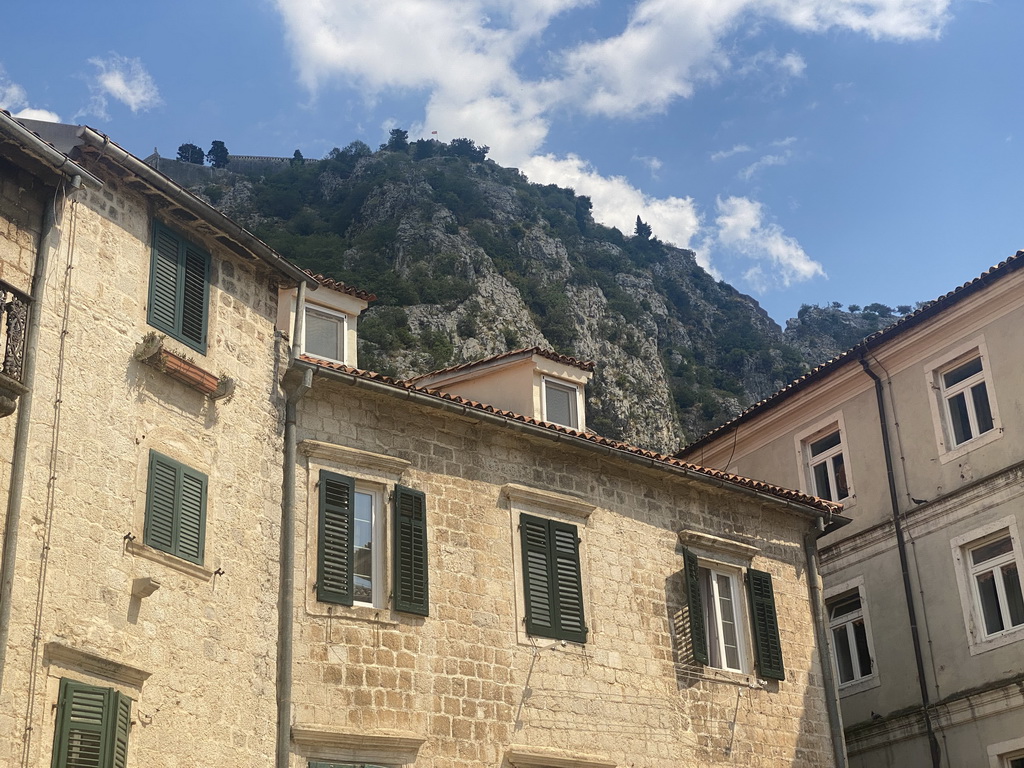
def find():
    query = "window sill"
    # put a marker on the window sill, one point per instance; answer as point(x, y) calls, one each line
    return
point(964, 448)
point(363, 613)
point(859, 686)
point(171, 561)
point(1005, 638)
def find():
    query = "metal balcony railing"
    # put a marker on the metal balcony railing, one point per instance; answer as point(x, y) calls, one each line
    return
point(13, 321)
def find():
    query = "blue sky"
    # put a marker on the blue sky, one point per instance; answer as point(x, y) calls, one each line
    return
point(809, 150)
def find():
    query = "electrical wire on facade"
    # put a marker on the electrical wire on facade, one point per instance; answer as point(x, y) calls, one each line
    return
point(50, 503)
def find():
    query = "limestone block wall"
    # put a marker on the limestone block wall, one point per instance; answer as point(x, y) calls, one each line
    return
point(467, 680)
point(197, 656)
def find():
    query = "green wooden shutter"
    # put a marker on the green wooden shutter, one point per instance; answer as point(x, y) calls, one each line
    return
point(191, 532)
point(552, 586)
point(179, 288)
point(122, 723)
point(540, 609)
point(335, 539)
point(410, 552)
point(92, 727)
point(766, 625)
point(565, 554)
point(163, 281)
point(175, 508)
point(195, 290)
point(161, 501)
point(698, 630)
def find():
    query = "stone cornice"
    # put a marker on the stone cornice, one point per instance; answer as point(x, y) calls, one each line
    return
point(353, 457)
point(557, 502)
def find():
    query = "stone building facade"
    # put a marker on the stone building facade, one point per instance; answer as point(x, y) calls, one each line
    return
point(422, 580)
point(182, 631)
point(919, 432)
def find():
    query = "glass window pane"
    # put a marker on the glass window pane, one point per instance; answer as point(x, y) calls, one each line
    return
point(992, 550)
point(962, 372)
point(323, 335)
point(822, 487)
point(982, 411)
point(559, 402)
point(958, 419)
point(1015, 602)
point(844, 660)
point(860, 638)
point(822, 445)
point(839, 470)
point(1017, 762)
point(843, 605)
point(362, 568)
point(728, 619)
point(989, 602)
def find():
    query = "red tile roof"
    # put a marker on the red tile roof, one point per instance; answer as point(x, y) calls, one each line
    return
point(783, 494)
point(340, 287)
point(852, 355)
point(584, 365)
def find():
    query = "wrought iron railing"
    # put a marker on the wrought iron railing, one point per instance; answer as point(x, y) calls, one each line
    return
point(13, 321)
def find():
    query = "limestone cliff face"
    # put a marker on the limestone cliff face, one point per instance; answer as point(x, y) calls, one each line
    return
point(469, 259)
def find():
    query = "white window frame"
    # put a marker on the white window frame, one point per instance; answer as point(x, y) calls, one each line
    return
point(379, 553)
point(814, 433)
point(939, 402)
point(574, 399)
point(333, 314)
point(863, 682)
point(709, 587)
point(1000, 755)
point(970, 601)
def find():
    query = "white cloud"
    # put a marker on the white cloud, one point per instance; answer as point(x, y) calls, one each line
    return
point(466, 60)
point(736, 150)
point(617, 203)
point(765, 161)
point(14, 99)
point(125, 80)
point(779, 258)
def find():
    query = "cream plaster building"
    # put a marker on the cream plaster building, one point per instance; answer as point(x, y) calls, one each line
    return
point(225, 544)
point(919, 432)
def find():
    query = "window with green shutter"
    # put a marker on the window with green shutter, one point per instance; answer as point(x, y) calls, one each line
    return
point(552, 586)
point(175, 508)
point(410, 552)
point(351, 547)
point(92, 727)
point(179, 288)
point(334, 581)
point(766, 625)
point(718, 618)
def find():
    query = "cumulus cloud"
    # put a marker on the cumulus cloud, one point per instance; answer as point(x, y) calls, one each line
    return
point(14, 99)
point(475, 65)
point(122, 79)
point(617, 203)
point(779, 260)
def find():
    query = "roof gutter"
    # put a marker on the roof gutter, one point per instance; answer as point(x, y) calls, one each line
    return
point(533, 430)
point(193, 204)
point(48, 154)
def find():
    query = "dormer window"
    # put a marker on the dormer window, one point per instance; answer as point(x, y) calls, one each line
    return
point(324, 333)
point(560, 403)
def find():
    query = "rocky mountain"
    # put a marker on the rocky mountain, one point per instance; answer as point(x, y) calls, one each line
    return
point(470, 259)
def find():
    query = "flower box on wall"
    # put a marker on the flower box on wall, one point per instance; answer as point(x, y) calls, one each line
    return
point(152, 352)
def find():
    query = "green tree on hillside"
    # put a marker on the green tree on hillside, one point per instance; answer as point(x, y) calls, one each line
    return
point(398, 141)
point(218, 155)
point(190, 153)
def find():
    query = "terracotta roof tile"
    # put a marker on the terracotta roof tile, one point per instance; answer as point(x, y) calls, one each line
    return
point(853, 354)
point(340, 287)
point(585, 365)
point(786, 494)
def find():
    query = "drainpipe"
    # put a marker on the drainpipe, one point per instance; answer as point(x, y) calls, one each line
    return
point(296, 383)
point(21, 429)
point(835, 716)
point(901, 547)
